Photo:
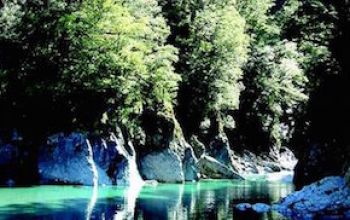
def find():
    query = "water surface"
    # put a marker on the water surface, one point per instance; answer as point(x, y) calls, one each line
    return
point(203, 200)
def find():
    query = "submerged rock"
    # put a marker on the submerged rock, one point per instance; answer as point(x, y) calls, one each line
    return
point(163, 166)
point(243, 207)
point(257, 207)
point(212, 168)
point(329, 196)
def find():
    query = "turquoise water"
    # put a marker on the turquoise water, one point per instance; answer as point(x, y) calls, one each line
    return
point(203, 200)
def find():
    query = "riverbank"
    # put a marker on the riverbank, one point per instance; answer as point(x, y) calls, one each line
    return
point(81, 159)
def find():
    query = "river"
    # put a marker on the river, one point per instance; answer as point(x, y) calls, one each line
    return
point(207, 199)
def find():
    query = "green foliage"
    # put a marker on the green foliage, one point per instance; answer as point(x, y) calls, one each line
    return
point(127, 49)
point(218, 50)
point(275, 81)
point(280, 83)
point(245, 62)
point(321, 30)
point(311, 24)
point(260, 22)
point(213, 47)
point(110, 48)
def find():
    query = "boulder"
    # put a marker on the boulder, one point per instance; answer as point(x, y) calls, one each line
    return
point(78, 160)
point(329, 196)
point(161, 156)
point(189, 165)
point(212, 168)
point(287, 159)
point(67, 160)
point(163, 166)
point(261, 207)
point(219, 149)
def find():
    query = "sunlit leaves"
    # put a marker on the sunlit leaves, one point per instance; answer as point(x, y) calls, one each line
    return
point(216, 51)
point(116, 48)
point(280, 82)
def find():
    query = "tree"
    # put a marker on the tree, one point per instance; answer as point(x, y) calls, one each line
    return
point(321, 29)
point(280, 83)
point(213, 47)
point(98, 54)
point(274, 79)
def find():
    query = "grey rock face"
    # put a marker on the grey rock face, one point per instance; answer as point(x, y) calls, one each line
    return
point(163, 166)
point(189, 164)
point(65, 160)
point(197, 146)
point(212, 168)
point(219, 149)
point(74, 159)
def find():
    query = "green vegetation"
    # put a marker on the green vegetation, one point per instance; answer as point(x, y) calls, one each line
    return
point(274, 78)
point(255, 69)
point(106, 53)
point(213, 47)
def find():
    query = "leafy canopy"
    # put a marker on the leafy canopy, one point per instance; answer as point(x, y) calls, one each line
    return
point(114, 48)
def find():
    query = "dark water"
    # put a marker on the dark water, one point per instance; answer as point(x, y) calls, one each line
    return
point(203, 200)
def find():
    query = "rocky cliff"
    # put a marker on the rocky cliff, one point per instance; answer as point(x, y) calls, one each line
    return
point(77, 158)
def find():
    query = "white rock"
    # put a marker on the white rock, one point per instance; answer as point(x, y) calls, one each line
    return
point(328, 196)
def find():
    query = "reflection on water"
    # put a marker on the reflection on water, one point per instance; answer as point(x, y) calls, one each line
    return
point(203, 200)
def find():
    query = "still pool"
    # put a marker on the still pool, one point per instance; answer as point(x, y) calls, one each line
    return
point(204, 200)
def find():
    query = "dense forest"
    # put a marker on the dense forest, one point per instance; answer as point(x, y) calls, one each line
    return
point(264, 74)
